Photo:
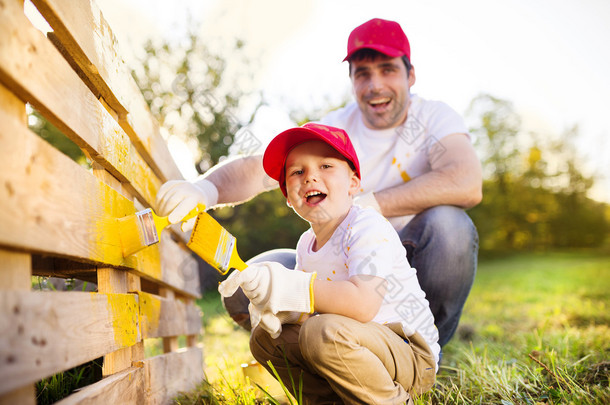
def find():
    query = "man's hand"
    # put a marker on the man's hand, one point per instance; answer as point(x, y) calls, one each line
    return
point(177, 198)
point(272, 287)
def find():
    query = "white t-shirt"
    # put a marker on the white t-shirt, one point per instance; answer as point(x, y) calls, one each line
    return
point(366, 244)
point(394, 156)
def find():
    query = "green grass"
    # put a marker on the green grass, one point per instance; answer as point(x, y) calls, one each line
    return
point(535, 329)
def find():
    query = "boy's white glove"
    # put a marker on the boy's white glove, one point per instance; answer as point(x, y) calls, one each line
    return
point(176, 198)
point(272, 287)
point(270, 322)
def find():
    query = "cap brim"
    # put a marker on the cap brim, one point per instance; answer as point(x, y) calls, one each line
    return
point(276, 153)
point(386, 50)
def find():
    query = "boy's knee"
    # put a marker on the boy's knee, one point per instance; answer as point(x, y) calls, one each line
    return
point(318, 336)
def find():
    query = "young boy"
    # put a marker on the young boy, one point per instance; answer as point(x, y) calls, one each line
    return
point(372, 338)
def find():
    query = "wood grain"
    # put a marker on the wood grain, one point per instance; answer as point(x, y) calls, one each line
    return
point(72, 213)
point(88, 40)
point(37, 73)
point(47, 332)
point(170, 373)
point(126, 387)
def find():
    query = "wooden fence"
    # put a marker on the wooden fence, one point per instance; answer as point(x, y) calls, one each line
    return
point(58, 218)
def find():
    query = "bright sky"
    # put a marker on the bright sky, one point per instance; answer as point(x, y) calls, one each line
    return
point(549, 57)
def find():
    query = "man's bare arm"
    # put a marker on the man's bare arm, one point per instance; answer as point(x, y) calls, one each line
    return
point(239, 180)
point(455, 179)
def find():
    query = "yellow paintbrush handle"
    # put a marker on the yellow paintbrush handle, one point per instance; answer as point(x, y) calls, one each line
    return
point(163, 222)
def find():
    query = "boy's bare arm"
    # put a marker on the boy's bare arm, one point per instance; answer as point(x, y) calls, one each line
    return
point(359, 298)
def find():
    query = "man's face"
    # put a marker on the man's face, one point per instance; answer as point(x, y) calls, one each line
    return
point(381, 87)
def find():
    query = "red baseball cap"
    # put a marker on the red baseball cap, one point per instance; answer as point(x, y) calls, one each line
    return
point(274, 159)
point(383, 36)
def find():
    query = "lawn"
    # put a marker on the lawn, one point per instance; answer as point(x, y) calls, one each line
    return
point(535, 329)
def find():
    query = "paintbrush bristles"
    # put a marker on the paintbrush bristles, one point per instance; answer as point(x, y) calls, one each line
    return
point(214, 244)
point(137, 232)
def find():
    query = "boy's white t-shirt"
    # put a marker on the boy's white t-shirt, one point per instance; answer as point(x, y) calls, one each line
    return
point(366, 244)
point(394, 156)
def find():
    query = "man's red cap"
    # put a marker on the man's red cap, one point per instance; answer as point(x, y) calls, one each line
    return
point(383, 36)
point(274, 159)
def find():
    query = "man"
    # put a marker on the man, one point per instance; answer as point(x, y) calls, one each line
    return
point(419, 170)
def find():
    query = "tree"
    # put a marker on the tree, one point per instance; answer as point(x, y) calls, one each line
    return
point(534, 194)
point(189, 93)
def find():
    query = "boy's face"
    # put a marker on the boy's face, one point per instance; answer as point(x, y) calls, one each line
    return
point(319, 183)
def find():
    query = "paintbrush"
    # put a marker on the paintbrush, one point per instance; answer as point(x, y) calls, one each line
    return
point(215, 245)
point(143, 229)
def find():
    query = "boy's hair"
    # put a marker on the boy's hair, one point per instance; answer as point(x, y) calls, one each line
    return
point(274, 159)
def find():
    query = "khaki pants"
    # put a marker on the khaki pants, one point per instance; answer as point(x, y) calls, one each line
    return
point(342, 360)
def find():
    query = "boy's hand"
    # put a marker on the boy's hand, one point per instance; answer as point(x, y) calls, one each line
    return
point(272, 287)
point(272, 323)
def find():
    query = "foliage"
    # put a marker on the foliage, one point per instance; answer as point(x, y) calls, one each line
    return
point(60, 385)
point(188, 92)
point(47, 131)
point(534, 196)
point(535, 330)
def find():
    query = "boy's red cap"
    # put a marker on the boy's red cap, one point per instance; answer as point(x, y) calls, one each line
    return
point(383, 36)
point(274, 159)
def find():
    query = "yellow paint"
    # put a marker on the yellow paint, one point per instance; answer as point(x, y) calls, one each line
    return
point(394, 160)
point(149, 313)
point(213, 244)
point(123, 315)
point(405, 176)
point(105, 206)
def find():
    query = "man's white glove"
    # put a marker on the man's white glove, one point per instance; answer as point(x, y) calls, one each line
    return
point(367, 200)
point(176, 198)
point(272, 287)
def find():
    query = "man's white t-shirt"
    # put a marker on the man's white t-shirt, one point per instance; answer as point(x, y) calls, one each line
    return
point(366, 244)
point(394, 156)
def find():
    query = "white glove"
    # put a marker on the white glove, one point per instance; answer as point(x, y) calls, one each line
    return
point(271, 322)
point(177, 198)
point(272, 287)
point(367, 200)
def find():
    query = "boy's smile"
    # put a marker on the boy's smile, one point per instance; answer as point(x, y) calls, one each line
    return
point(320, 184)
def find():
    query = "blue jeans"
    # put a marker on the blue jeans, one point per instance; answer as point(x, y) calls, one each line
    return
point(442, 245)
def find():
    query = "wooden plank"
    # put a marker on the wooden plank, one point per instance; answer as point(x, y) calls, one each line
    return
point(15, 275)
point(47, 332)
point(170, 343)
point(15, 270)
point(37, 73)
point(112, 281)
point(40, 222)
point(12, 104)
point(87, 38)
point(170, 373)
point(163, 317)
point(180, 270)
point(126, 387)
point(21, 396)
